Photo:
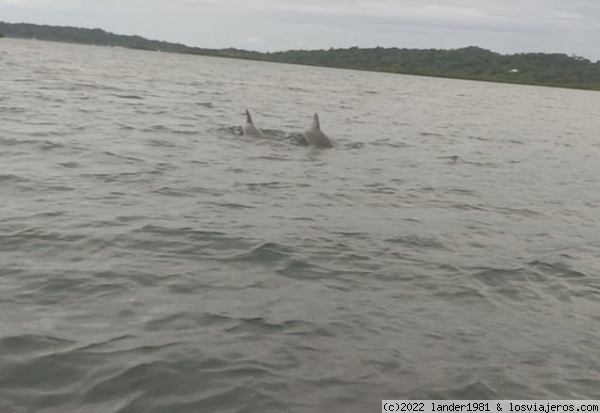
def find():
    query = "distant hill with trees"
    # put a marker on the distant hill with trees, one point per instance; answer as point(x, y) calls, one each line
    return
point(473, 63)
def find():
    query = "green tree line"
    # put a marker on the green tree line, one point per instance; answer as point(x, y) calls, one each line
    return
point(465, 63)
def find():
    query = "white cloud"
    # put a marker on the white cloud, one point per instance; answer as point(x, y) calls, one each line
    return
point(253, 40)
point(568, 26)
point(41, 4)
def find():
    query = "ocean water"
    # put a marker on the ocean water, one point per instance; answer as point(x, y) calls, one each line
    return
point(152, 259)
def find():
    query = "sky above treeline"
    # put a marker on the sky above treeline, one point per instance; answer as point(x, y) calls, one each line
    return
point(504, 26)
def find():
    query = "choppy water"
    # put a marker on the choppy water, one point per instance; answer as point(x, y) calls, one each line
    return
point(154, 260)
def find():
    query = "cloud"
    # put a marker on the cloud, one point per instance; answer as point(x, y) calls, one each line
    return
point(41, 4)
point(464, 14)
point(568, 26)
point(253, 40)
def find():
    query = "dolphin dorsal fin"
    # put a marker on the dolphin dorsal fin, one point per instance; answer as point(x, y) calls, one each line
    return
point(248, 117)
point(316, 124)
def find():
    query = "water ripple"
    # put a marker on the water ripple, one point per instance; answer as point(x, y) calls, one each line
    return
point(154, 259)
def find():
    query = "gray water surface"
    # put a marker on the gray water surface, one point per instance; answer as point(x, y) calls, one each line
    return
point(154, 260)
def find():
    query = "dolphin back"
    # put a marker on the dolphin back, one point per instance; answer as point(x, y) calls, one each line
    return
point(314, 136)
point(249, 129)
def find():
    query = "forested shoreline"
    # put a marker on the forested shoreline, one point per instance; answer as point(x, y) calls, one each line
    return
point(472, 63)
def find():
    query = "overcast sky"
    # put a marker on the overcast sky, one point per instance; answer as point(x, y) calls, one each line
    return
point(505, 26)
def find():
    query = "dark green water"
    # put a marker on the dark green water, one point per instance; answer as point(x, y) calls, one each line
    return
point(153, 260)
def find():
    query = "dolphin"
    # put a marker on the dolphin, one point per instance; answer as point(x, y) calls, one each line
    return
point(315, 137)
point(249, 129)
